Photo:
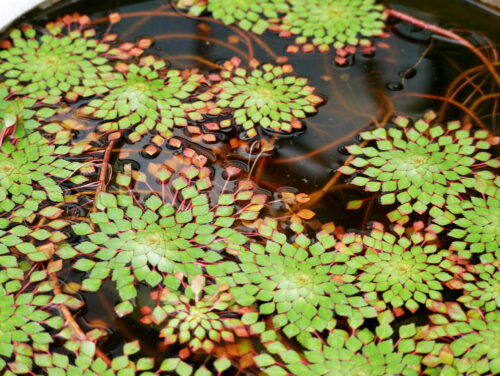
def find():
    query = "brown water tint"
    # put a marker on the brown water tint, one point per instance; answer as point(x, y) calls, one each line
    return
point(411, 71)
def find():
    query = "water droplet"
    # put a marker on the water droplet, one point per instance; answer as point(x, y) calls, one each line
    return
point(394, 86)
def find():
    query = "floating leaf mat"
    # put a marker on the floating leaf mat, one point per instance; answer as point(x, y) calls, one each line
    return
point(232, 278)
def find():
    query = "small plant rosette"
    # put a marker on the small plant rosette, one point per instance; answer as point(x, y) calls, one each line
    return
point(339, 24)
point(482, 287)
point(148, 97)
point(31, 173)
point(298, 284)
point(417, 166)
point(150, 242)
point(28, 318)
point(196, 318)
point(66, 59)
point(404, 270)
point(261, 96)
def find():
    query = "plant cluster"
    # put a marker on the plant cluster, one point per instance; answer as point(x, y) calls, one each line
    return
point(476, 223)
point(194, 253)
point(265, 95)
point(402, 271)
point(64, 60)
point(418, 166)
point(31, 172)
point(147, 97)
point(28, 319)
point(360, 353)
point(461, 342)
point(297, 283)
point(149, 242)
point(196, 317)
point(322, 24)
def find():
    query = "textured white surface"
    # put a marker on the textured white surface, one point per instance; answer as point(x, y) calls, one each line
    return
point(11, 9)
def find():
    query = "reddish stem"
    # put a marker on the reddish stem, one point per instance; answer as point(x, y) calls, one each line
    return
point(70, 320)
point(448, 34)
point(104, 169)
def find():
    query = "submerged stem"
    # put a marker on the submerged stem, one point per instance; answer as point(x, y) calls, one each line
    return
point(70, 320)
point(448, 34)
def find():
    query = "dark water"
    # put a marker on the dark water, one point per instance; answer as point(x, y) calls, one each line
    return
point(409, 63)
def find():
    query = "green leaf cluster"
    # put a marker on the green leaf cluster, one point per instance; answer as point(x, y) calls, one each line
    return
point(55, 63)
point(150, 242)
point(417, 166)
point(323, 24)
point(251, 15)
point(300, 284)
point(474, 223)
point(147, 97)
point(26, 322)
point(461, 342)
point(403, 271)
point(266, 96)
point(197, 318)
point(333, 23)
point(360, 353)
point(30, 172)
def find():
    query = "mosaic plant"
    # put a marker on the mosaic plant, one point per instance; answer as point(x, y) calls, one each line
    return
point(87, 362)
point(403, 271)
point(63, 60)
point(323, 24)
point(264, 96)
point(23, 115)
point(26, 321)
point(297, 283)
point(200, 271)
point(250, 15)
point(145, 98)
point(31, 172)
point(150, 242)
point(16, 118)
point(196, 318)
point(416, 166)
point(34, 244)
point(334, 24)
point(476, 223)
point(481, 291)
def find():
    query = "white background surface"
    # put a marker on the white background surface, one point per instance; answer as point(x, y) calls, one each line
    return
point(11, 9)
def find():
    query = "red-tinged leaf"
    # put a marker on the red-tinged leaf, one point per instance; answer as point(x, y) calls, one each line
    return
point(306, 214)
